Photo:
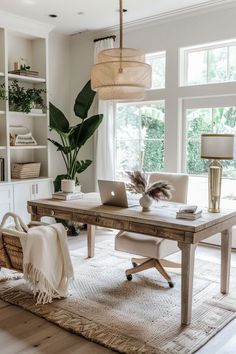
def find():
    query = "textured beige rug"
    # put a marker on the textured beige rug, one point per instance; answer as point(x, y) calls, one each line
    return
point(138, 317)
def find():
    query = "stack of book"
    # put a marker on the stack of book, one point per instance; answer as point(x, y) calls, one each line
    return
point(67, 196)
point(189, 212)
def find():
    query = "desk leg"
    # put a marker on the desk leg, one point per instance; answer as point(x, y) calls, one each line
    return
point(187, 271)
point(35, 217)
point(226, 244)
point(90, 240)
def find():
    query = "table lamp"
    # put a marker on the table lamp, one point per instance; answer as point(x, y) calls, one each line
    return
point(216, 147)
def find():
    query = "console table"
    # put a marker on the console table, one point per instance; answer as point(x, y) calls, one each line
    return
point(159, 222)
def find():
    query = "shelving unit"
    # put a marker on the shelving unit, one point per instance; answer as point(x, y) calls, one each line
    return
point(22, 114)
point(33, 49)
point(30, 44)
point(26, 147)
point(23, 78)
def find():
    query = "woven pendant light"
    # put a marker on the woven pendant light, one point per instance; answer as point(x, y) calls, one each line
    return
point(121, 73)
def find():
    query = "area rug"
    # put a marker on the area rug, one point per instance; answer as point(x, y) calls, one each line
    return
point(137, 317)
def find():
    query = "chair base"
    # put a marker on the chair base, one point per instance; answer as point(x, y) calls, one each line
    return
point(140, 264)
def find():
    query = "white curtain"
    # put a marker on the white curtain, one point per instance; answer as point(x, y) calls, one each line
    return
point(104, 138)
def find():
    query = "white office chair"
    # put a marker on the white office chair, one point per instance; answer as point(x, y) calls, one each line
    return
point(154, 249)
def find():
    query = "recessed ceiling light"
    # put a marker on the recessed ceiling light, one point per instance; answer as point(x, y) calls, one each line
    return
point(53, 15)
point(80, 13)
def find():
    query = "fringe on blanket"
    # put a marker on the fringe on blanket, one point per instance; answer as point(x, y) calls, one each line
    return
point(38, 281)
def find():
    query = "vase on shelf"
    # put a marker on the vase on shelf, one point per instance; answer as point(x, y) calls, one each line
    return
point(145, 201)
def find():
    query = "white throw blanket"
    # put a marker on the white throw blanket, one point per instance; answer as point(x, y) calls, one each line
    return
point(46, 262)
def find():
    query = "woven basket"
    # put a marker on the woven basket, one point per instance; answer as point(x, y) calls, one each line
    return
point(11, 253)
point(25, 170)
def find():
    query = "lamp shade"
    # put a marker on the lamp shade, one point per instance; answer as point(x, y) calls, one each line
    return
point(121, 74)
point(217, 146)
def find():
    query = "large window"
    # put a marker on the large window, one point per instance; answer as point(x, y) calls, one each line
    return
point(208, 120)
point(210, 64)
point(139, 137)
point(158, 64)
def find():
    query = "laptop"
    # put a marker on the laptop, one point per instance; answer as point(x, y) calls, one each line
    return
point(114, 193)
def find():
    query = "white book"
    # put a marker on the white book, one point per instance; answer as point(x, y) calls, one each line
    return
point(190, 216)
point(67, 196)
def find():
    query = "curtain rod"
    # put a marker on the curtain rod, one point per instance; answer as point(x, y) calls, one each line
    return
point(100, 39)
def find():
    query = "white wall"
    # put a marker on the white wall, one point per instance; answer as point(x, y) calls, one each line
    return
point(168, 35)
point(59, 88)
point(81, 61)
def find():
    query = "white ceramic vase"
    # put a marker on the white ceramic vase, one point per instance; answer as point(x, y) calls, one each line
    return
point(145, 201)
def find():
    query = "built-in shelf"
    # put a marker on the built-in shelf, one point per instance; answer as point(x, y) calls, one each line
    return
point(2, 147)
point(40, 178)
point(28, 147)
point(26, 78)
point(2, 112)
point(1, 73)
point(23, 114)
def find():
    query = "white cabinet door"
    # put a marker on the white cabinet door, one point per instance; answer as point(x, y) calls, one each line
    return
point(6, 200)
point(29, 191)
point(43, 189)
point(22, 193)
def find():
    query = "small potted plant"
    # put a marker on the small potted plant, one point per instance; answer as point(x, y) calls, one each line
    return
point(155, 191)
point(24, 100)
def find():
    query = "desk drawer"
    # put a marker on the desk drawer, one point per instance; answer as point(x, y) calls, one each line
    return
point(101, 221)
point(56, 213)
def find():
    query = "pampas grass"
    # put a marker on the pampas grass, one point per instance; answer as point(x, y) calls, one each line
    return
point(157, 190)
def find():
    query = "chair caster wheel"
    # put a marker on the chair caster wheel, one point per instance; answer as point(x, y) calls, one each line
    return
point(134, 264)
point(129, 277)
point(171, 284)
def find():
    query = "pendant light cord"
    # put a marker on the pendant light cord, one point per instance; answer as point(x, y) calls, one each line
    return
point(121, 35)
point(121, 24)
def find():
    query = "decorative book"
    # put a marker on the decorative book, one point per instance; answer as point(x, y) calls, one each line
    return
point(189, 212)
point(67, 196)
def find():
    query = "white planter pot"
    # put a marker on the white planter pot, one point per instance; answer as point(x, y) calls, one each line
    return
point(68, 185)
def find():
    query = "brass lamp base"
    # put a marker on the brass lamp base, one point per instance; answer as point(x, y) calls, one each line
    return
point(214, 186)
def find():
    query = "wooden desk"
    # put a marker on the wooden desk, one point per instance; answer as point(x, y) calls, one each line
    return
point(160, 222)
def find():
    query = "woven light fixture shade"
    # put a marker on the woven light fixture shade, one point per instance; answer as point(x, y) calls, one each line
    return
point(121, 73)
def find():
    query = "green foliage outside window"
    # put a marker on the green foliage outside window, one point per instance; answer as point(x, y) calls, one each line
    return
point(207, 120)
point(139, 137)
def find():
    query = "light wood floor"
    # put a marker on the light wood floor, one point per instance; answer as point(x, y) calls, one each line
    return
point(23, 332)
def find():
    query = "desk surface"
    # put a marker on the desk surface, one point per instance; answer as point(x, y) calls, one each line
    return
point(161, 214)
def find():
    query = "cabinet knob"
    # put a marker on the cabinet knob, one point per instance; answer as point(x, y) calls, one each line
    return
point(52, 212)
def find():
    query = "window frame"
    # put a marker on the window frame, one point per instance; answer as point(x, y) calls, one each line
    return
point(159, 54)
point(184, 62)
point(139, 103)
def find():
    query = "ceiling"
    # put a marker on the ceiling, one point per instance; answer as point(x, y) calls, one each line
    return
point(97, 14)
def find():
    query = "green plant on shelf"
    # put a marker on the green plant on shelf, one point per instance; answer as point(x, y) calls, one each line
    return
point(23, 99)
